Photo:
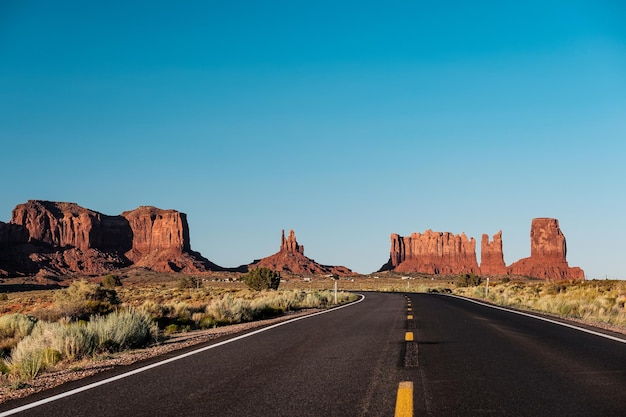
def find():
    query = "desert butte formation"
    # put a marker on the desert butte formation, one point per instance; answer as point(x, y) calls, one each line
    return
point(57, 238)
point(445, 253)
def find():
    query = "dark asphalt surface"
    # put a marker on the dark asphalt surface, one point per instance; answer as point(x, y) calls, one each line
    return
point(475, 360)
point(470, 360)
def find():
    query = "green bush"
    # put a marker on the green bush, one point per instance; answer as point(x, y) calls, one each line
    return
point(468, 280)
point(262, 279)
point(187, 282)
point(111, 281)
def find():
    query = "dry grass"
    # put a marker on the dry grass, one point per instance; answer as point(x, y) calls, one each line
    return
point(595, 302)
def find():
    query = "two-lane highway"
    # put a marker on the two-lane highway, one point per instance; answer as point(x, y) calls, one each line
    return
point(468, 360)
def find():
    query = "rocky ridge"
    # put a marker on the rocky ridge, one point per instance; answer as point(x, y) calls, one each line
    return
point(433, 253)
point(65, 238)
point(445, 253)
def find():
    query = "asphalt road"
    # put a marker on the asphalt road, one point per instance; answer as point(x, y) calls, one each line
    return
point(465, 360)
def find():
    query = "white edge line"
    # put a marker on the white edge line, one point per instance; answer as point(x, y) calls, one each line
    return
point(571, 326)
point(166, 361)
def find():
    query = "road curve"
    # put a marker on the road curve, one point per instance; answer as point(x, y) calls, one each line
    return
point(461, 359)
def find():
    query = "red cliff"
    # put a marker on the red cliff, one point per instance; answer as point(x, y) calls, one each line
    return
point(548, 252)
point(433, 253)
point(64, 238)
point(491, 255)
point(291, 259)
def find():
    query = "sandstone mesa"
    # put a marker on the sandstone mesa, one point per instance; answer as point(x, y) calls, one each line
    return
point(65, 238)
point(446, 253)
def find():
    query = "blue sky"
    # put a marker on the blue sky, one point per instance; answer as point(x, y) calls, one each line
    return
point(345, 122)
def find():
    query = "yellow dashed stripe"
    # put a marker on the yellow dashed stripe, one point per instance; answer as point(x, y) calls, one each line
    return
point(404, 400)
point(408, 336)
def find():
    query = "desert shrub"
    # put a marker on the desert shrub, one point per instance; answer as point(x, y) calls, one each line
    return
point(187, 282)
point(43, 348)
point(111, 281)
point(171, 328)
point(468, 280)
point(262, 279)
point(4, 368)
point(229, 310)
point(13, 328)
point(4, 296)
point(83, 299)
point(125, 329)
point(49, 343)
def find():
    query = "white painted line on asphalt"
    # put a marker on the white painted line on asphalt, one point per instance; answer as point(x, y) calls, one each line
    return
point(166, 361)
point(521, 313)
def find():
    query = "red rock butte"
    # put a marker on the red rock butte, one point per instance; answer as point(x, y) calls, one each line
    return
point(290, 258)
point(65, 238)
point(548, 251)
point(446, 253)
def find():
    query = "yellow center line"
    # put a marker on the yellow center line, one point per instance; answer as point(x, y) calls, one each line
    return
point(408, 336)
point(404, 400)
point(409, 317)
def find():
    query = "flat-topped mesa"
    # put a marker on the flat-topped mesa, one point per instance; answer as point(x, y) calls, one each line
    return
point(491, 255)
point(70, 225)
point(291, 259)
point(68, 238)
point(155, 229)
point(548, 252)
point(290, 244)
point(433, 253)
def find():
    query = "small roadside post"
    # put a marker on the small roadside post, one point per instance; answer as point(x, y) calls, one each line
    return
point(487, 288)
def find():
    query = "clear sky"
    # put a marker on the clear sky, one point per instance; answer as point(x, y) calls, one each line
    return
point(345, 121)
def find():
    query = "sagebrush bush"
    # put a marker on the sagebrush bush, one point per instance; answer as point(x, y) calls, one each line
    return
point(13, 328)
point(230, 310)
point(124, 329)
point(83, 299)
point(50, 342)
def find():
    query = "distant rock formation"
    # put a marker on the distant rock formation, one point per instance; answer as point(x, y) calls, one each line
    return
point(432, 253)
point(445, 253)
point(548, 252)
point(290, 244)
point(65, 238)
point(291, 259)
point(68, 225)
point(491, 255)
